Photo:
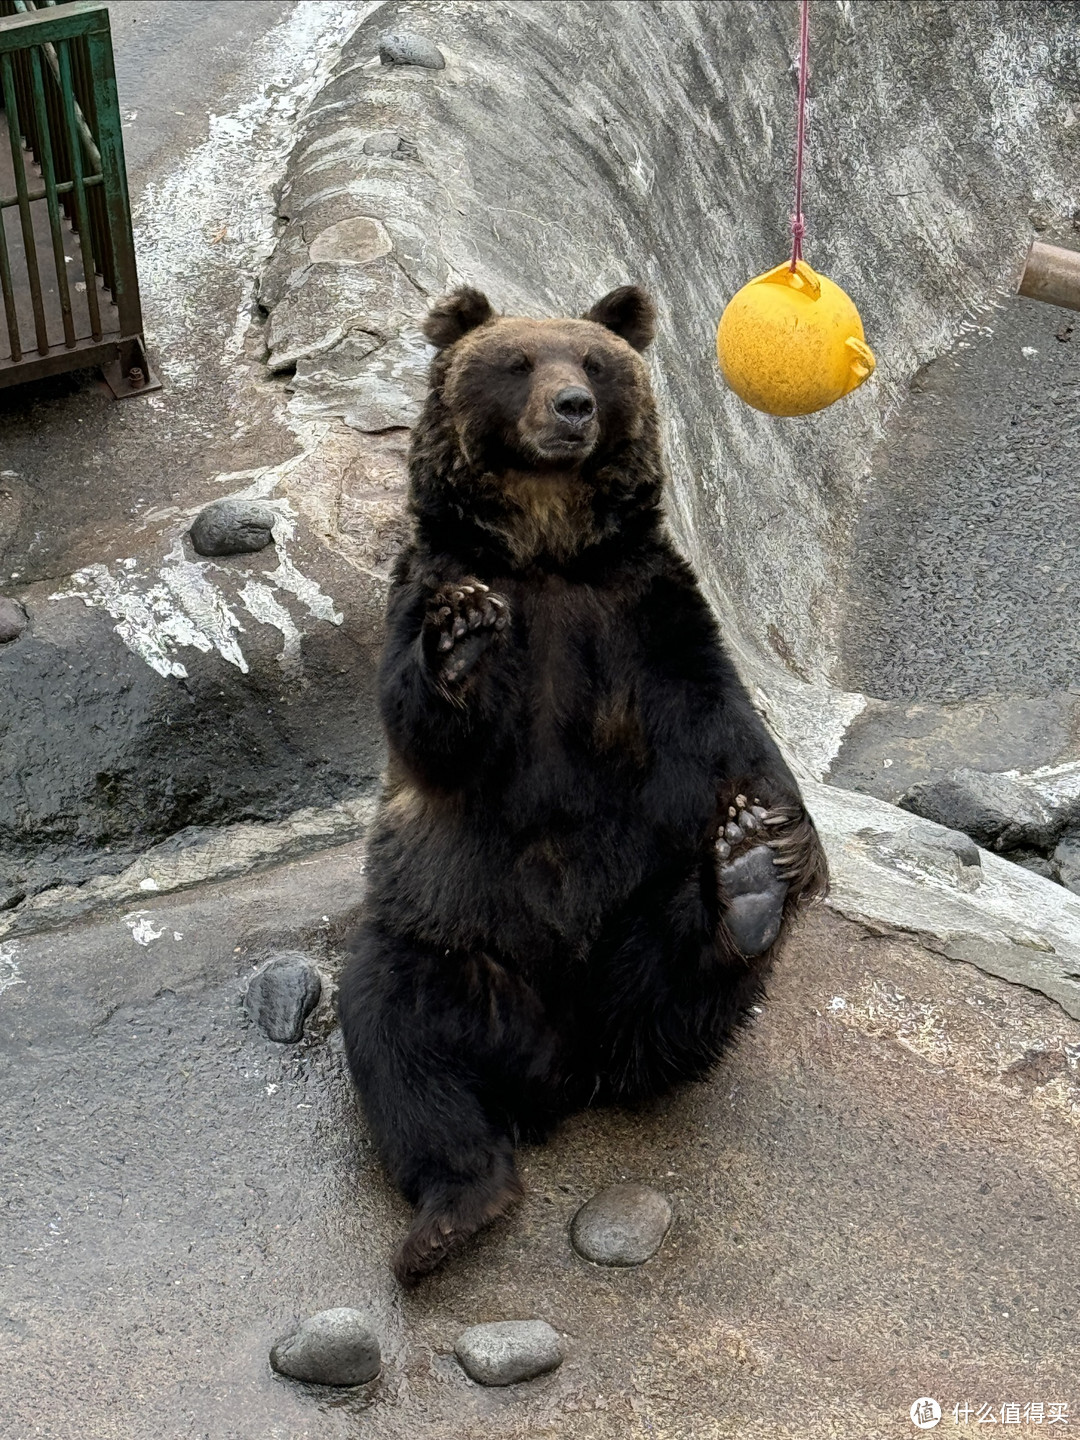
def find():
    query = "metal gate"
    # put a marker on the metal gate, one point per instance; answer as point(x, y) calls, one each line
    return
point(67, 257)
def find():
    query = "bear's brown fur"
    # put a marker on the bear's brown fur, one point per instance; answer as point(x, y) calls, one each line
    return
point(571, 894)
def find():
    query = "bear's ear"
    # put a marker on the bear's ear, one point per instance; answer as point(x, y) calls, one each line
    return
point(455, 315)
point(629, 312)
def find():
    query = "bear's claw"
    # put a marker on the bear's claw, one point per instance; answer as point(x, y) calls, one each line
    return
point(461, 619)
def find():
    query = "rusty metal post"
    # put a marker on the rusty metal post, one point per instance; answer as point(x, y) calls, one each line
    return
point(1052, 274)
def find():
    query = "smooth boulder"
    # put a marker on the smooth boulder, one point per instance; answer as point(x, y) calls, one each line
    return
point(281, 995)
point(623, 1225)
point(233, 527)
point(12, 619)
point(405, 47)
point(508, 1351)
point(334, 1347)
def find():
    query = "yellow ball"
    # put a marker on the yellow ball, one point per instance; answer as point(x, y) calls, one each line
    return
point(791, 342)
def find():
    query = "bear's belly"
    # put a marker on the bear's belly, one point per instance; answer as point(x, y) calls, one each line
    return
point(530, 867)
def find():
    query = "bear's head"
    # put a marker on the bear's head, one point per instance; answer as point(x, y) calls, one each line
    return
point(529, 395)
point(539, 437)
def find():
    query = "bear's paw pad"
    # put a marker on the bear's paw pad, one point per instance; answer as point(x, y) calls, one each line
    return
point(754, 890)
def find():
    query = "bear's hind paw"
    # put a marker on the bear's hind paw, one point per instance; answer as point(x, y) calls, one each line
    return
point(753, 876)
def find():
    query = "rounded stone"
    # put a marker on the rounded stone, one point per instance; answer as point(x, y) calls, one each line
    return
point(623, 1225)
point(508, 1351)
point(233, 527)
point(334, 1347)
point(389, 142)
point(405, 47)
point(355, 241)
point(281, 995)
point(12, 619)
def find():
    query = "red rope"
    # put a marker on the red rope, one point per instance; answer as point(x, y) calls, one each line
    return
point(798, 224)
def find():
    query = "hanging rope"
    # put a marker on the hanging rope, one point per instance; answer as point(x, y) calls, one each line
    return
point(798, 224)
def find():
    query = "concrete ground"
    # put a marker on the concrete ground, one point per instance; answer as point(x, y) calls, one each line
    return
point(874, 1199)
point(964, 568)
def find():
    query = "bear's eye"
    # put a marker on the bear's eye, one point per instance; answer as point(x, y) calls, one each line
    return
point(593, 365)
point(519, 365)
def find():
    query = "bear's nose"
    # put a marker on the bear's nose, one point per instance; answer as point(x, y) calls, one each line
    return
point(574, 404)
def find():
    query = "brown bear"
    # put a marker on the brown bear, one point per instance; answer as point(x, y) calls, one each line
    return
point(588, 841)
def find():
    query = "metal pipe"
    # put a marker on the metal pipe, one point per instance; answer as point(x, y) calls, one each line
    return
point(82, 214)
point(11, 108)
point(48, 174)
point(7, 289)
point(1052, 274)
point(28, 7)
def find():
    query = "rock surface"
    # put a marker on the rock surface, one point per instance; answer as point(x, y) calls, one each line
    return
point(233, 527)
point(405, 47)
point(999, 811)
point(12, 619)
point(508, 1351)
point(281, 995)
point(334, 1347)
point(1067, 860)
point(623, 1225)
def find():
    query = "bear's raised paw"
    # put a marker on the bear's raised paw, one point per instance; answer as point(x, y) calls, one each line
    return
point(461, 621)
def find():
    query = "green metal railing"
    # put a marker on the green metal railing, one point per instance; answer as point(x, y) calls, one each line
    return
point(68, 278)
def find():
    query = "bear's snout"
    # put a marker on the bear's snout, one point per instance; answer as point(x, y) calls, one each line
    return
point(575, 405)
point(561, 423)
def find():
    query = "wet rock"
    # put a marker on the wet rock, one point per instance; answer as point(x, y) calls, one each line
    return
point(508, 1351)
point(1000, 811)
point(963, 847)
point(1034, 861)
point(405, 47)
point(334, 1347)
point(12, 619)
point(1037, 1067)
point(389, 142)
point(281, 995)
point(233, 527)
point(1067, 860)
point(623, 1225)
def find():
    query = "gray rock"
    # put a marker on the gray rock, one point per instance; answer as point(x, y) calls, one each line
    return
point(389, 142)
point(281, 995)
point(623, 1225)
point(1000, 811)
point(12, 619)
point(405, 47)
point(508, 1351)
point(1034, 861)
point(963, 847)
point(334, 1347)
point(358, 240)
point(233, 527)
point(1067, 859)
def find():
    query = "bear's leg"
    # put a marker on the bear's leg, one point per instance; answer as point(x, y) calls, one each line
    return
point(668, 986)
point(417, 1027)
